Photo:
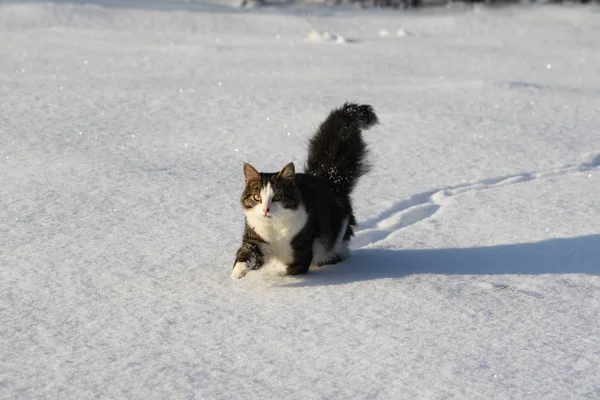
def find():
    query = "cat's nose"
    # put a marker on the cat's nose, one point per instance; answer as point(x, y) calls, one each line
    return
point(265, 211)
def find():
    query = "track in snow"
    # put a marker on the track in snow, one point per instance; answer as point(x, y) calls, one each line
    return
point(421, 206)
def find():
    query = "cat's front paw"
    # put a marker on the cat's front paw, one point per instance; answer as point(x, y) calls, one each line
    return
point(240, 269)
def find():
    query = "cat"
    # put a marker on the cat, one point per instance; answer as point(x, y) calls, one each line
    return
point(305, 219)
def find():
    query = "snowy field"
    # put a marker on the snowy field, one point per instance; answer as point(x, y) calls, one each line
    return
point(475, 271)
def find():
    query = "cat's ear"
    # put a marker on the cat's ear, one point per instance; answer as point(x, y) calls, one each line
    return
point(250, 174)
point(288, 173)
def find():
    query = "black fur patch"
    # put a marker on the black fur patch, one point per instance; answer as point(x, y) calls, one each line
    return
point(337, 151)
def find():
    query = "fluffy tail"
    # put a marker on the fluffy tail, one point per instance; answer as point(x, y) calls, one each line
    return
point(337, 151)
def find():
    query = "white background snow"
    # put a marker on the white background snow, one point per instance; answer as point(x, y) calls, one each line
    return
point(122, 135)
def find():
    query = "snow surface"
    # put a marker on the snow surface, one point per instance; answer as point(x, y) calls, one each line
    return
point(475, 269)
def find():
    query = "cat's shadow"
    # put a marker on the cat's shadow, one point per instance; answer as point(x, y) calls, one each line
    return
point(555, 256)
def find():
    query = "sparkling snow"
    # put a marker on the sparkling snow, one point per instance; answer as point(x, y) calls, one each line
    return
point(123, 130)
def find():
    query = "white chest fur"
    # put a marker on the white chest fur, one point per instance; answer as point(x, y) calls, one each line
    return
point(278, 231)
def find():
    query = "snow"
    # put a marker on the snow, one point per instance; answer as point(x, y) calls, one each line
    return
point(475, 267)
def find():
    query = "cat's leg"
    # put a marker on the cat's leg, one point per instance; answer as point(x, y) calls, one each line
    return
point(343, 252)
point(340, 250)
point(302, 258)
point(333, 260)
point(248, 257)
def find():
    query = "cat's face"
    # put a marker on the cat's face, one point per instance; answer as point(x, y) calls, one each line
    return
point(269, 195)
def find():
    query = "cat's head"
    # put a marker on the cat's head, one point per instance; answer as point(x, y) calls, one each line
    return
point(270, 195)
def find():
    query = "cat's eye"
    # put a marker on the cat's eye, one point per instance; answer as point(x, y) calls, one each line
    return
point(256, 197)
point(277, 197)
